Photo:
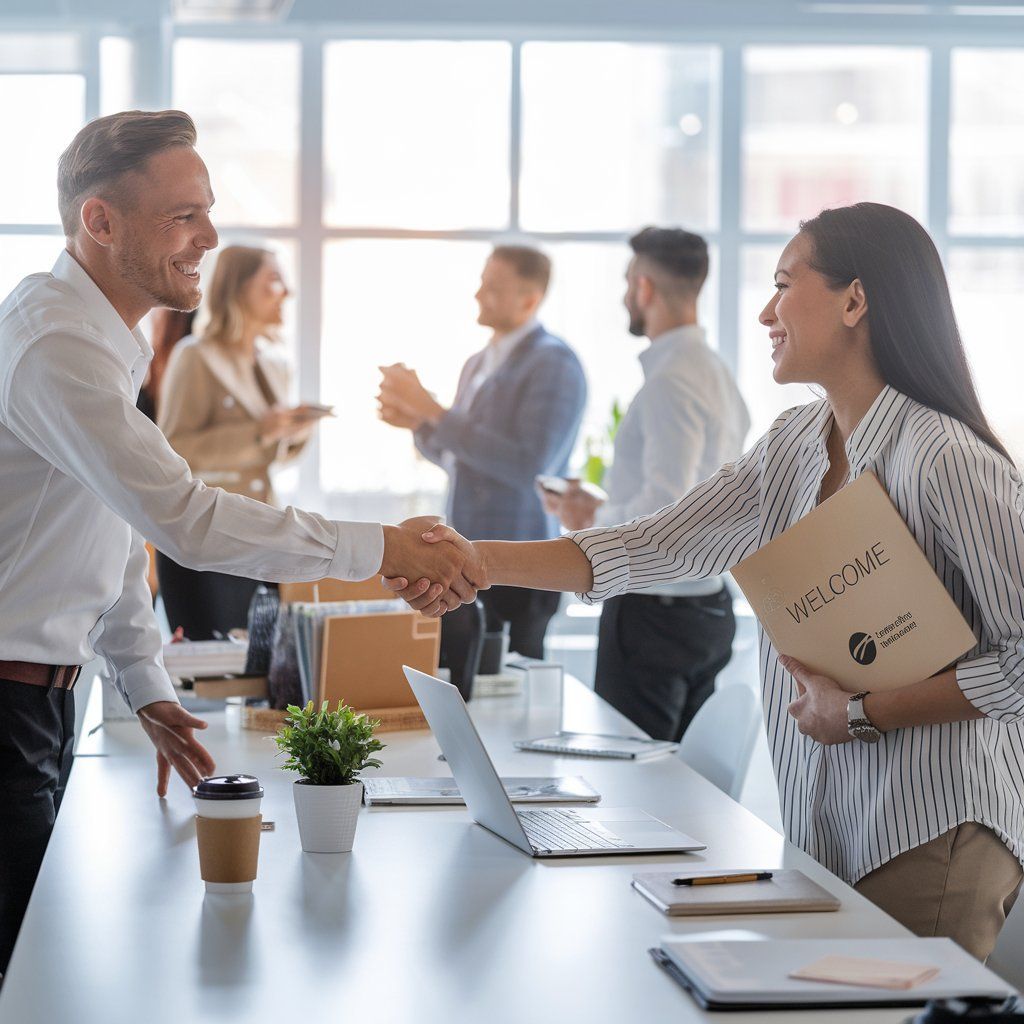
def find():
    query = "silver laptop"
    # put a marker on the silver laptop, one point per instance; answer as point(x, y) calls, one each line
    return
point(547, 832)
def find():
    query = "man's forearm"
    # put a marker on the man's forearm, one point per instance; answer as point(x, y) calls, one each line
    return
point(933, 701)
point(539, 565)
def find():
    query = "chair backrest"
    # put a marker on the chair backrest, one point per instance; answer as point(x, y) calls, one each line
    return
point(720, 740)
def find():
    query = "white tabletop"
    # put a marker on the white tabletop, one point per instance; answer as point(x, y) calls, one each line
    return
point(430, 919)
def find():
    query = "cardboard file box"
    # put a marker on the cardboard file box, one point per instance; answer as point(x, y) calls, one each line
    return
point(363, 655)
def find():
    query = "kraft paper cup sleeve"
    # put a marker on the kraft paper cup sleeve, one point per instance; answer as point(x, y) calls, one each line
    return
point(228, 848)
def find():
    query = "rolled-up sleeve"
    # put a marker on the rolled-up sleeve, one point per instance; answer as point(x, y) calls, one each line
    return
point(704, 533)
point(976, 504)
point(96, 436)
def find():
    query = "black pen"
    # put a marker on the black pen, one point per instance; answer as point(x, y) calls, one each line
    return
point(750, 876)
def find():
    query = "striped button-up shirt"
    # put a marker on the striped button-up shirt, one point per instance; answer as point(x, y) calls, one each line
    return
point(854, 806)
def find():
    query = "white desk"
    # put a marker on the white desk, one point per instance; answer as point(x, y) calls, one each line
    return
point(430, 919)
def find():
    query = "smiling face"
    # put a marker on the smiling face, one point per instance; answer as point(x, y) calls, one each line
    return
point(161, 229)
point(265, 293)
point(506, 300)
point(805, 320)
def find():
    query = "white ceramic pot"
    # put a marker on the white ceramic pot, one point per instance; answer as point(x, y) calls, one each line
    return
point(327, 816)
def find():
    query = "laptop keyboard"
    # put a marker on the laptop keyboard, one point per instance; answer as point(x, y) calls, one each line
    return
point(550, 830)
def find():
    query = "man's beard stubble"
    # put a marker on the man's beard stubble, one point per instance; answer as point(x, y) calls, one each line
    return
point(134, 268)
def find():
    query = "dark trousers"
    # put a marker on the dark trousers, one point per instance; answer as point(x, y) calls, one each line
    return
point(203, 603)
point(527, 612)
point(658, 656)
point(37, 733)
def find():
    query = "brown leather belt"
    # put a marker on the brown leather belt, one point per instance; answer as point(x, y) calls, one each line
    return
point(61, 677)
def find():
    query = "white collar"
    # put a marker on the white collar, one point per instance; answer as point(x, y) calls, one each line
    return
point(671, 345)
point(128, 343)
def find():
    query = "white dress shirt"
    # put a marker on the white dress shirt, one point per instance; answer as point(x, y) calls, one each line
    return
point(686, 421)
point(86, 476)
point(854, 806)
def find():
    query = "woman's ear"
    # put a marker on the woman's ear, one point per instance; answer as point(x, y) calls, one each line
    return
point(856, 304)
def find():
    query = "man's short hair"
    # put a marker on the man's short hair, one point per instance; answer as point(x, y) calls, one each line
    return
point(110, 147)
point(679, 254)
point(529, 264)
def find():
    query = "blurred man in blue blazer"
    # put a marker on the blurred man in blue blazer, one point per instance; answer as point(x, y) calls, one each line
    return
point(516, 414)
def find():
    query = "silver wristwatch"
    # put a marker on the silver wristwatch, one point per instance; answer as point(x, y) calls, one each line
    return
point(857, 722)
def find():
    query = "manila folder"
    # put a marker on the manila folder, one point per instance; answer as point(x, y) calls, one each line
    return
point(848, 591)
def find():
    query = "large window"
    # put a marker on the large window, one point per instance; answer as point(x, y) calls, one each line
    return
point(830, 126)
point(383, 169)
point(244, 97)
point(618, 135)
point(416, 135)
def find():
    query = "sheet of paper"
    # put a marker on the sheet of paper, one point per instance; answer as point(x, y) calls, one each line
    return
point(857, 970)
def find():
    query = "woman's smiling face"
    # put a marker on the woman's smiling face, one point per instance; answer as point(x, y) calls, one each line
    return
point(804, 319)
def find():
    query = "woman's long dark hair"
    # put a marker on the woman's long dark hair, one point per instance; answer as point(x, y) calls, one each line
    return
point(915, 340)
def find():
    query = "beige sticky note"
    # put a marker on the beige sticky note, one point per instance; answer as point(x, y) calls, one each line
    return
point(861, 970)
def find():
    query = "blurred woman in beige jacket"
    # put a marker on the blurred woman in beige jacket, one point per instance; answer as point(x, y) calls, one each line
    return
point(223, 408)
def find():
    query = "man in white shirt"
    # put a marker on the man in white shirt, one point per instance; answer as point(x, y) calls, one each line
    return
point(86, 477)
point(660, 651)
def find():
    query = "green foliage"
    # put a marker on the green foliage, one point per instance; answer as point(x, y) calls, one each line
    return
point(328, 748)
point(597, 451)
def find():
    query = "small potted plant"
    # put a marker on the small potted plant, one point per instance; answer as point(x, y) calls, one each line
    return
point(328, 749)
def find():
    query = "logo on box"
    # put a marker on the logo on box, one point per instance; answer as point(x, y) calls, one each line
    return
point(862, 648)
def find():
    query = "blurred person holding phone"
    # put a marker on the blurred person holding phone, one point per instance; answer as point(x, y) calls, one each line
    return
point(660, 651)
point(223, 408)
point(516, 413)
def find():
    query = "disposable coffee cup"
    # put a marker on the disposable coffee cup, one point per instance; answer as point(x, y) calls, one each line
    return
point(228, 829)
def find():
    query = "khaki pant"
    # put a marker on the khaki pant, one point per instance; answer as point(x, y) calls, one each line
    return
point(960, 885)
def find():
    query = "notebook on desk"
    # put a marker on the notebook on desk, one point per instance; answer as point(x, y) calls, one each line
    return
point(740, 975)
point(784, 892)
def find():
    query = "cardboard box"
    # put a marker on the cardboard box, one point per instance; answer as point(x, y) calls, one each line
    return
point(848, 591)
point(363, 655)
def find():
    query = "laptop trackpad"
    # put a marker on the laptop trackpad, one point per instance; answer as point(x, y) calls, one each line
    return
point(627, 829)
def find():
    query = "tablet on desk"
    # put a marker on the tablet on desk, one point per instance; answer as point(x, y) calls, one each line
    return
point(621, 748)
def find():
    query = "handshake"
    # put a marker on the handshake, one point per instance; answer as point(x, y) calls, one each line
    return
point(431, 567)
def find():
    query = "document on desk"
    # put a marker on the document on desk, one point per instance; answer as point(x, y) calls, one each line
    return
point(785, 892)
point(848, 591)
point(571, 789)
point(196, 659)
point(740, 975)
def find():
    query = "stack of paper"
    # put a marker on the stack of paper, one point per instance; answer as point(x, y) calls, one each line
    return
point(309, 618)
point(196, 659)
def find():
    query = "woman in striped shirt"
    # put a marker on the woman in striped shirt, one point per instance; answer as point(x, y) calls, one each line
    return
point(923, 813)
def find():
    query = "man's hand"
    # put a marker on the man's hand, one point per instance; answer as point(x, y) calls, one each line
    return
point(820, 708)
point(576, 507)
point(401, 389)
point(446, 575)
point(397, 417)
point(170, 726)
point(431, 599)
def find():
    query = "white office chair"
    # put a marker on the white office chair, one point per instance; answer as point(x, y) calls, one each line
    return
point(720, 740)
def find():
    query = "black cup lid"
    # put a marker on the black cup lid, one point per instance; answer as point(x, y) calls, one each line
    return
point(228, 787)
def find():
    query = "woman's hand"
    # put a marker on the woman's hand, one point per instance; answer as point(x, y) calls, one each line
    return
point(820, 710)
point(279, 423)
point(432, 600)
